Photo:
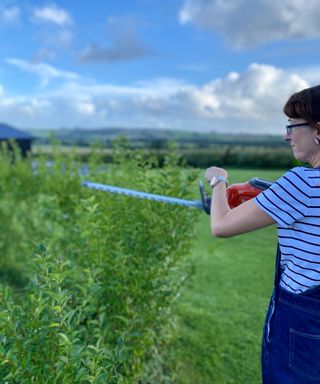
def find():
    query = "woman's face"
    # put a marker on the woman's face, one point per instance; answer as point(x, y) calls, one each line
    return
point(302, 141)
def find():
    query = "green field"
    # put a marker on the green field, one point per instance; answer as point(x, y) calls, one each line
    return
point(222, 307)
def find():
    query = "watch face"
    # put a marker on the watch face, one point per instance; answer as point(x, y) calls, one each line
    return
point(215, 180)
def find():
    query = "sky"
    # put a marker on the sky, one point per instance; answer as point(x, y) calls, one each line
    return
point(195, 65)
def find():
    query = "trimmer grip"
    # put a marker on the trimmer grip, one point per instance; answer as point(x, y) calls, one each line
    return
point(206, 200)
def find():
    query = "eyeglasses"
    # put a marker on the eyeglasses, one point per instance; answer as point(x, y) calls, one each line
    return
point(290, 126)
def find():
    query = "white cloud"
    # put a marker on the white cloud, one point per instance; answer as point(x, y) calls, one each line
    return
point(44, 71)
point(10, 15)
point(250, 101)
point(52, 14)
point(54, 31)
point(247, 23)
point(84, 106)
point(309, 73)
point(257, 93)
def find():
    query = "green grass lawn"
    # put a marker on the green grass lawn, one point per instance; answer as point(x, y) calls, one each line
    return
point(222, 308)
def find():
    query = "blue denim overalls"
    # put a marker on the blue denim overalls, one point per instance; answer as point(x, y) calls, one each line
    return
point(291, 337)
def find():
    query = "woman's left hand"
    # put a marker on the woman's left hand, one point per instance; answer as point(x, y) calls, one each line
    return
point(215, 171)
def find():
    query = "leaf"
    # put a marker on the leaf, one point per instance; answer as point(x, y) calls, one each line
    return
point(54, 325)
point(65, 338)
point(64, 359)
point(123, 319)
point(6, 361)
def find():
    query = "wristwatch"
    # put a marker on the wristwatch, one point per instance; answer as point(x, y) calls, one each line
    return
point(216, 180)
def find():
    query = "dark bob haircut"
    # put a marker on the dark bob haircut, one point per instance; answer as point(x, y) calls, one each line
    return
point(304, 105)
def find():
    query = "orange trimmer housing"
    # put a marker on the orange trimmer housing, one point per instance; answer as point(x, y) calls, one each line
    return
point(241, 192)
point(238, 193)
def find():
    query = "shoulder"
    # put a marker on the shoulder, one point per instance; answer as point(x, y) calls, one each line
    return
point(299, 176)
point(298, 171)
point(309, 177)
point(288, 199)
point(295, 182)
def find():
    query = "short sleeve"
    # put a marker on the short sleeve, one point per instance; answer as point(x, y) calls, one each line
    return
point(288, 199)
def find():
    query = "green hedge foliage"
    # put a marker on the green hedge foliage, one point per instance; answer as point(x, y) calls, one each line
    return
point(88, 278)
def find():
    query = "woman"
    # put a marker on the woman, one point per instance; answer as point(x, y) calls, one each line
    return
point(291, 337)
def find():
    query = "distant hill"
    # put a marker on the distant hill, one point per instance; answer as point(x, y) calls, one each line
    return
point(155, 138)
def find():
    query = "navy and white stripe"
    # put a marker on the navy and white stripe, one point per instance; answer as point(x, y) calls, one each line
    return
point(293, 202)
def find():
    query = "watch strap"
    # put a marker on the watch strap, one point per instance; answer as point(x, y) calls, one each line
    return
point(216, 180)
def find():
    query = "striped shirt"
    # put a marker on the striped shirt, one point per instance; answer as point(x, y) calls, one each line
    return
point(293, 201)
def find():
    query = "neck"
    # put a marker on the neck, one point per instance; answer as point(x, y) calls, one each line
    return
point(315, 164)
point(314, 158)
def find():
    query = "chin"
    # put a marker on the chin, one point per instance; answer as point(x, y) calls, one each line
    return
point(300, 157)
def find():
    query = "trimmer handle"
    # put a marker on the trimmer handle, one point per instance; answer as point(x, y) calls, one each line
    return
point(237, 193)
point(261, 184)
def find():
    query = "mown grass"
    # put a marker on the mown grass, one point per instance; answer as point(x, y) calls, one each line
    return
point(222, 307)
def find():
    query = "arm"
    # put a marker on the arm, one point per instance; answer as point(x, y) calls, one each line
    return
point(227, 222)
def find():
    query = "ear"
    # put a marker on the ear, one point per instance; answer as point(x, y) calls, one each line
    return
point(317, 128)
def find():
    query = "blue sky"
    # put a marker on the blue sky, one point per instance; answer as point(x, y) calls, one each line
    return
point(198, 65)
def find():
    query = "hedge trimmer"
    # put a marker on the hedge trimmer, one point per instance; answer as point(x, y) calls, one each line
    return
point(236, 193)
